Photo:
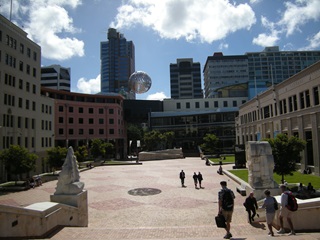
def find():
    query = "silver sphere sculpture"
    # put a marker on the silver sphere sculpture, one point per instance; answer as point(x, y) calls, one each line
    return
point(139, 82)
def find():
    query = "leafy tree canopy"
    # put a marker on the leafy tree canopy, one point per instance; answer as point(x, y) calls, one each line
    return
point(286, 153)
point(56, 156)
point(210, 143)
point(18, 160)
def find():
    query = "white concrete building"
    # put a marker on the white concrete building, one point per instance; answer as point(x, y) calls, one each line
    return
point(291, 107)
point(26, 117)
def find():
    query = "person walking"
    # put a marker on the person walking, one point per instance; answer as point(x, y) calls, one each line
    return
point(182, 177)
point(269, 204)
point(195, 179)
point(226, 203)
point(285, 212)
point(200, 178)
point(251, 205)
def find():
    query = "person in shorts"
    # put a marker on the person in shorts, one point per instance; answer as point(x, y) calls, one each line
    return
point(284, 211)
point(227, 213)
point(268, 204)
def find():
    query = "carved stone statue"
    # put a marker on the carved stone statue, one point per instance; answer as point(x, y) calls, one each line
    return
point(69, 178)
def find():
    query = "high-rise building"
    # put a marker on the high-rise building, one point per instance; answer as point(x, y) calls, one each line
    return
point(117, 57)
point(26, 117)
point(221, 71)
point(259, 69)
point(56, 77)
point(272, 66)
point(185, 79)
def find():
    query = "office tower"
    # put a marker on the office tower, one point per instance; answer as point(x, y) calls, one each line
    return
point(26, 117)
point(117, 57)
point(56, 77)
point(221, 71)
point(272, 66)
point(185, 79)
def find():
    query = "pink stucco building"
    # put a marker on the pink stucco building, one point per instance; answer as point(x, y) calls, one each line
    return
point(79, 118)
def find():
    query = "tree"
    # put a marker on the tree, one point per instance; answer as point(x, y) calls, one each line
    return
point(286, 153)
point(18, 160)
point(153, 140)
point(97, 148)
point(210, 143)
point(109, 149)
point(56, 156)
point(169, 138)
point(81, 153)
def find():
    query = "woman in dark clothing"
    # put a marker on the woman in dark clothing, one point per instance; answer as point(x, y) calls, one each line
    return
point(195, 179)
point(251, 206)
point(200, 179)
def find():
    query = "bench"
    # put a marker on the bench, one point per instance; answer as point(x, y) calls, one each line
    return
point(242, 190)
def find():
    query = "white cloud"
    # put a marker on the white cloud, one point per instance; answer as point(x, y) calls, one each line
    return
point(314, 42)
point(298, 14)
point(205, 20)
point(90, 86)
point(223, 46)
point(157, 96)
point(48, 23)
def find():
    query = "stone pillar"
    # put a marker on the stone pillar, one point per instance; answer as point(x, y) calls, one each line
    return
point(260, 166)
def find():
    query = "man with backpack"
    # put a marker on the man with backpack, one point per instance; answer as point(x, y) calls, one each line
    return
point(286, 209)
point(226, 203)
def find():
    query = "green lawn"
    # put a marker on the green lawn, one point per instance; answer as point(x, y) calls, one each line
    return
point(297, 177)
point(229, 159)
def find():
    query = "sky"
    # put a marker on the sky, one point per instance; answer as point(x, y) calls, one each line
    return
point(70, 32)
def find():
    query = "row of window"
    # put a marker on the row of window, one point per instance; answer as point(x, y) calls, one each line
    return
point(46, 109)
point(293, 103)
point(81, 131)
point(11, 81)
point(12, 42)
point(206, 104)
point(8, 140)
point(90, 120)
point(90, 110)
point(9, 100)
point(9, 121)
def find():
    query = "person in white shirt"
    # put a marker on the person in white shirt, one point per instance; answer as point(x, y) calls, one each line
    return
point(284, 211)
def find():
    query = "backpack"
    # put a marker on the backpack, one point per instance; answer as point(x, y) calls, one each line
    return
point(275, 204)
point(227, 200)
point(292, 202)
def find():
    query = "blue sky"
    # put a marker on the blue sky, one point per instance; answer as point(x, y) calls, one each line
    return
point(70, 31)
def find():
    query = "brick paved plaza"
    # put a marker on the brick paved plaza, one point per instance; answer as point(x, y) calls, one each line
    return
point(174, 213)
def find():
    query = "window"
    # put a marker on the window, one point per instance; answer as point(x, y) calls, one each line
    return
point(111, 131)
point(70, 131)
point(234, 103)
point(20, 65)
point(20, 84)
point(28, 52)
point(100, 110)
point(80, 110)
point(71, 109)
point(91, 131)
point(34, 72)
point(206, 104)
point(60, 131)
point(60, 119)
point(28, 69)
point(80, 131)
point(216, 104)
point(33, 106)
point(70, 120)
point(101, 120)
point(90, 110)
point(187, 105)
point(178, 105)
point(101, 131)
point(197, 104)
point(111, 111)
point(26, 122)
point(60, 108)
point(35, 56)
point(34, 88)
point(80, 120)
point(27, 104)
point(91, 121)
point(225, 103)
point(302, 106)
point(307, 98)
point(316, 95)
point(20, 103)
point(111, 121)
point(21, 48)
point(27, 87)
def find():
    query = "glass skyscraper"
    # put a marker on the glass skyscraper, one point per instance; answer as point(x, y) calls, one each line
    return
point(117, 57)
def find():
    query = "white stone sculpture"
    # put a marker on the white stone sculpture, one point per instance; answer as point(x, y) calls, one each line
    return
point(260, 165)
point(69, 177)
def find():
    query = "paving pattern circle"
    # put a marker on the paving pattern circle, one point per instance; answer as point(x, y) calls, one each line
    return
point(144, 191)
